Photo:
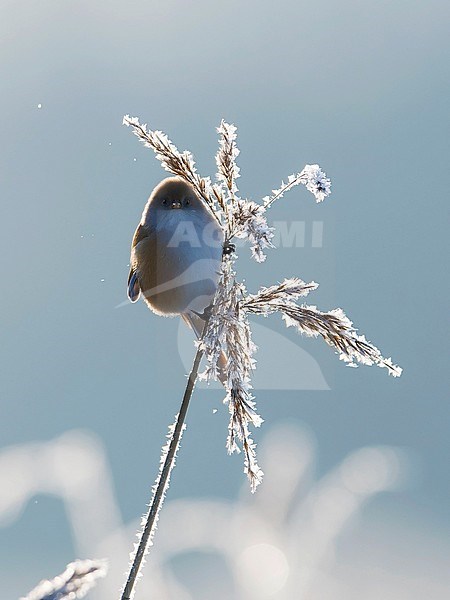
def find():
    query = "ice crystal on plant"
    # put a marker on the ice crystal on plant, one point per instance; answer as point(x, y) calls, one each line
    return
point(149, 533)
point(228, 333)
point(316, 182)
point(228, 171)
point(312, 177)
point(251, 223)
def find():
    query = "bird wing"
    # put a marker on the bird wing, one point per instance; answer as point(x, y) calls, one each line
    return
point(134, 288)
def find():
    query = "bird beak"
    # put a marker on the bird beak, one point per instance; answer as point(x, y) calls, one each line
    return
point(176, 204)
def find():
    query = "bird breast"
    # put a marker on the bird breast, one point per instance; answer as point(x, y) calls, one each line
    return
point(178, 263)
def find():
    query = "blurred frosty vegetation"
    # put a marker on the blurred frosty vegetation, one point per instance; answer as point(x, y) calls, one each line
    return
point(291, 540)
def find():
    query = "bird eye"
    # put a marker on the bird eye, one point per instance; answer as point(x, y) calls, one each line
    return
point(164, 201)
point(188, 201)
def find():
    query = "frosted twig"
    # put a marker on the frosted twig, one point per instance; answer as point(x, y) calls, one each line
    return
point(228, 334)
point(227, 173)
point(312, 177)
point(249, 221)
point(167, 462)
point(78, 578)
point(291, 289)
point(334, 327)
point(178, 163)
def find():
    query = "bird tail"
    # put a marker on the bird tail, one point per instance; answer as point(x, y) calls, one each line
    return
point(196, 323)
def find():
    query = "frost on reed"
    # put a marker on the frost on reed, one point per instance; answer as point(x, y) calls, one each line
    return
point(149, 520)
point(227, 330)
point(78, 578)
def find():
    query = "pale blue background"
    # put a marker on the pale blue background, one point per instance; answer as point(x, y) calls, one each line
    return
point(361, 88)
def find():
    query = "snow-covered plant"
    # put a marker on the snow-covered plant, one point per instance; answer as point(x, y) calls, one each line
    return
point(78, 578)
point(227, 331)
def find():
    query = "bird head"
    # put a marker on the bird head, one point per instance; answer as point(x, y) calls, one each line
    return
point(174, 193)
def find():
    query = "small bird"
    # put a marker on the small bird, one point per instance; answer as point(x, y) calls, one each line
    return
point(176, 253)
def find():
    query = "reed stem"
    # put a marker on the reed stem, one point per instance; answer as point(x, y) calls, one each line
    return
point(163, 480)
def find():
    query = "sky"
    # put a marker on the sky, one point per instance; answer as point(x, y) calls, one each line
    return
point(360, 88)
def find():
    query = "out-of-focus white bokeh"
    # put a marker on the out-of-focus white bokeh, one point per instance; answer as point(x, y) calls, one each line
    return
point(298, 537)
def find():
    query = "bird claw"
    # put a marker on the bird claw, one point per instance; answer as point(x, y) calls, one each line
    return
point(228, 248)
point(205, 314)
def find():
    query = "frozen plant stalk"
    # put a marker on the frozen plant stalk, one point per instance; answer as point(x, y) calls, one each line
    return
point(227, 330)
